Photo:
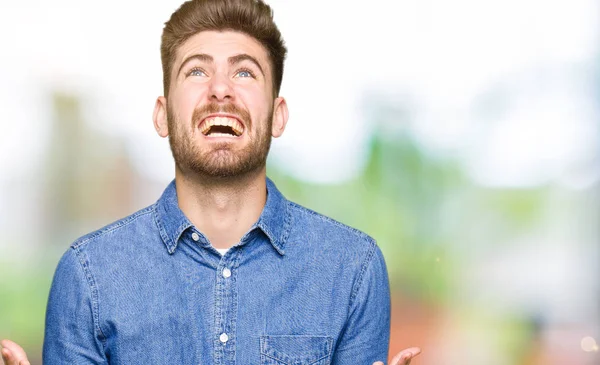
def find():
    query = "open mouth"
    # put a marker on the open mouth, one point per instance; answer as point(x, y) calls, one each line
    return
point(221, 127)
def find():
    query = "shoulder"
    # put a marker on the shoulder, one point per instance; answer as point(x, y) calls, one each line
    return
point(348, 251)
point(328, 230)
point(140, 220)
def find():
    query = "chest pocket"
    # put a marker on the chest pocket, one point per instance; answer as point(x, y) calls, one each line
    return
point(295, 350)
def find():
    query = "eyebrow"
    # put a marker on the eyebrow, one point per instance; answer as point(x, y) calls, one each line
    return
point(203, 57)
point(245, 57)
point(199, 56)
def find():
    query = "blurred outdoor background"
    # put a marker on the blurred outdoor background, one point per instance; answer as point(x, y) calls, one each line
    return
point(463, 135)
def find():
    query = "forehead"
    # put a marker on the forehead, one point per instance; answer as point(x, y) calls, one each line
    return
point(221, 45)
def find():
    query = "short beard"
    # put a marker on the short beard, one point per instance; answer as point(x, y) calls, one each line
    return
point(219, 162)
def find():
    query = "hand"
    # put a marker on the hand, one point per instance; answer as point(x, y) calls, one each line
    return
point(13, 354)
point(403, 357)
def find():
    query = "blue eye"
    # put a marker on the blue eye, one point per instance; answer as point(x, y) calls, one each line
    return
point(196, 72)
point(244, 73)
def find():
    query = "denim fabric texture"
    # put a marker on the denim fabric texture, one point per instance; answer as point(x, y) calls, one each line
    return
point(299, 288)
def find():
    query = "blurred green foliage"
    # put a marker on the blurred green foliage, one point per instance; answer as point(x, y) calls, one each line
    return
point(24, 288)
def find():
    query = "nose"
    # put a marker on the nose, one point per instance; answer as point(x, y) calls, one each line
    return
point(220, 88)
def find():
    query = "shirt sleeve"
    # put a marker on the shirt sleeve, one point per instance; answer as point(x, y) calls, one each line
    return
point(365, 337)
point(72, 335)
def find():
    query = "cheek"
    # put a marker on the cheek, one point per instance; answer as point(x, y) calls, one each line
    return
point(255, 101)
point(187, 100)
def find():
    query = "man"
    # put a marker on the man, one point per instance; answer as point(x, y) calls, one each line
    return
point(222, 269)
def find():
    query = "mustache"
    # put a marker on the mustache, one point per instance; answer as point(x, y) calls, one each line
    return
point(214, 108)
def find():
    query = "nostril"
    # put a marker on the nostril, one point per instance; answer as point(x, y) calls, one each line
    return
point(218, 97)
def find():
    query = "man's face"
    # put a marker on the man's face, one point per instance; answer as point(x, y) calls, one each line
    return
point(220, 107)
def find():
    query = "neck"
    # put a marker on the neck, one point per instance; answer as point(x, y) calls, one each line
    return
point(222, 209)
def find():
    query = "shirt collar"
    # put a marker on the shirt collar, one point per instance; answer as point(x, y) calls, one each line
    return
point(170, 219)
point(274, 220)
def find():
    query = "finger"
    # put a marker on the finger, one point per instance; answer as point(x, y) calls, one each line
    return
point(7, 357)
point(16, 352)
point(404, 357)
point(401, 358)
point(25, 362)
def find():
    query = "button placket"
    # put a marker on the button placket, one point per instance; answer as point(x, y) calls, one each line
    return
point(225, 310)
point(225, 273)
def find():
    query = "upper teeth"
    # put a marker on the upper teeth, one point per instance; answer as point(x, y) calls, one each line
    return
point(222, 121)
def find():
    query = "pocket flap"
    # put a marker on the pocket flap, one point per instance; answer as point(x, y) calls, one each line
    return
point(296, 349)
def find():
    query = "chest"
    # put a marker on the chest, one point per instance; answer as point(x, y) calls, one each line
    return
point(230, 311)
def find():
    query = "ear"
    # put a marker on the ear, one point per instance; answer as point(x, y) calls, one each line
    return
point(280, 117)
point(160, 117)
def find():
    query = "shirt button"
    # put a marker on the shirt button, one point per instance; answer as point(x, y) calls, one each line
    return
point(226, 273)
point(223, 338)
point(195, 236)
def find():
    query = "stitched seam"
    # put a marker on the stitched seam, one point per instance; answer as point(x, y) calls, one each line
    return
point(274, 358)
point(94, 293)
point(218, 311)
point(234, 292)
point(329, 340)
point(363, 269)
point(161, 230)
point(330, 220)
point(283, 361)
point(287, 223)
point(357, 285)
point(112, 227)
point(182, 227)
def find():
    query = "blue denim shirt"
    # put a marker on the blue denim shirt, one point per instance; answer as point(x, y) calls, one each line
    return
point(299, 288)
